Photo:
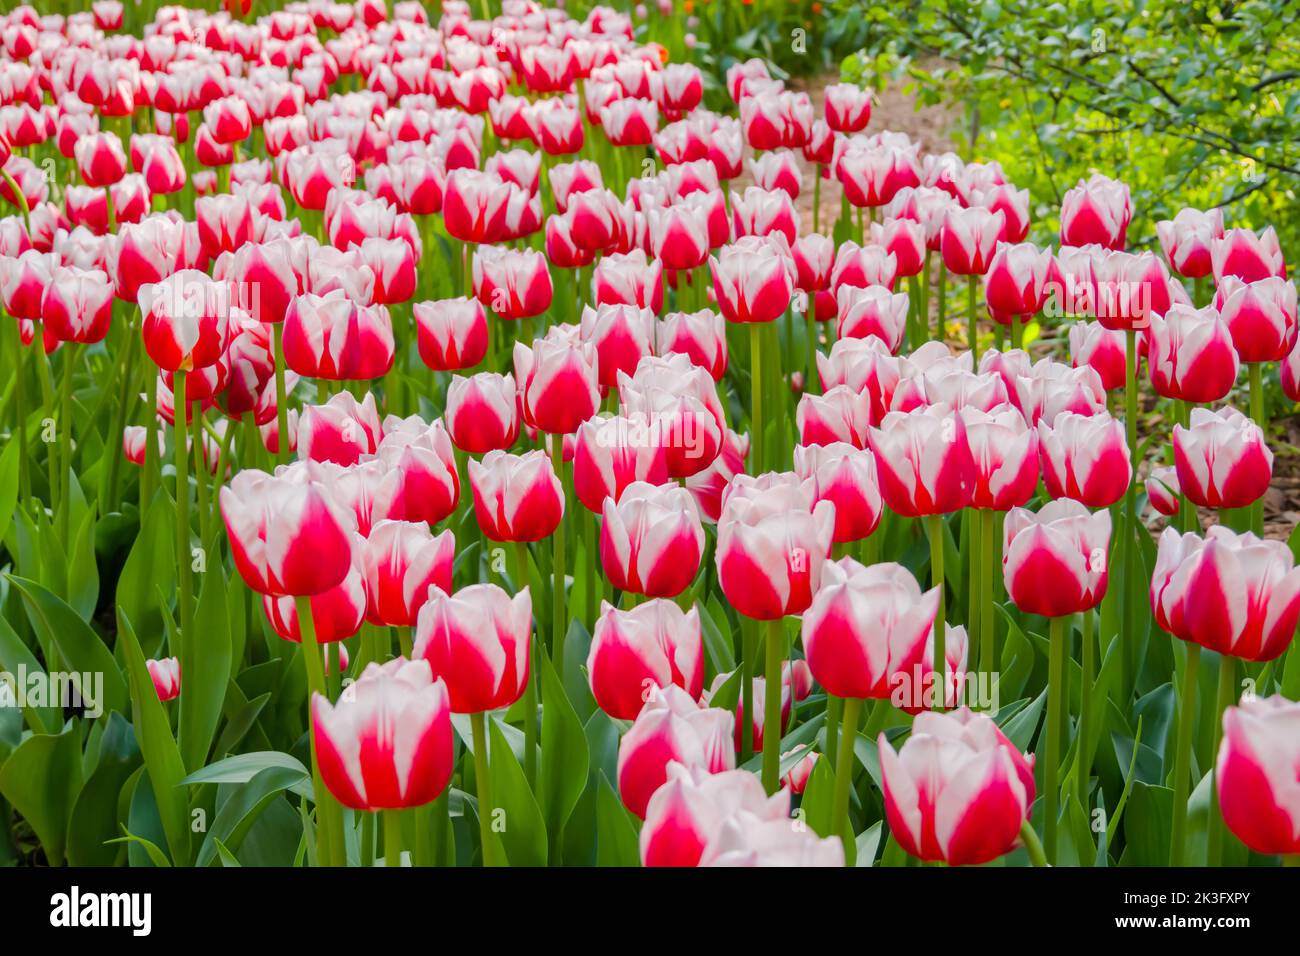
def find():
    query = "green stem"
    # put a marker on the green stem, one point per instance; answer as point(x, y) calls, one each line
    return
point(201, 475)
point(1183, 754)
point(834, 710)
point(1017, 332)
point(152, 466)
point(756, 386)
point(775, 653)
point(1056, 691)
point(844, 765)
point(181, 458)
point(1225, 697)
point(392, 837)
point(20, 413)
point(988, 646)
point(1089, 665)
point(530, 690)
point(1032, 846)
point(1255, 378)
point(940, 322)
point(281, 398)
point(972, 318)
point(330, 849)
point(124, 401)
point(71, 352)
point(559, 619)
point(479, 731)
point(935, 523)
point(810, 321)
point(749, 649)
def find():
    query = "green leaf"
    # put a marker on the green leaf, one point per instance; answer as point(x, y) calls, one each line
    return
point(242, 768)
point(201, 700)
point(80, 648)
point(94, 823)
point(227, 858)
point(1020, 728)
point(155, 852)
point(17, 659)
point(42, 778)
point(83, 573)
point(524, 833)
point(563, 771)
point(1147, 826)
point(150, 568)
point(162, 757)
point(867, 843)
point(238, 814)
point(8, 485)
point(616, 834)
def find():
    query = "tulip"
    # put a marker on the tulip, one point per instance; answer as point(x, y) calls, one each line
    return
point(651, 540)
point(708, 486)
point(777, 170)
point(1246, 256)
point(924, 461)
point(420, 482)
point(100, 159)
point(846, 477)
point(1101, 349)
point(840, 415)
point(451, 334)
point(754, 279)
point(387, 743)
point(874, 175)
point(1261, 315)
point(610, 455)
point(78, 304)
point(848, 107)
point(1004, 452)
point(796, 778)
point(758, 694)
point(516, 497)
point(1163, 491)
point(671, 727)
point(1187, 240)
point(677, 404)
point(1097, 210)
point(1222, 460)
point(629, 279)
point(970, 238)
point(330, 337)
point(474, 205)
point(633, 652)
point(957, 791)
point(402, 561)
point(186, 321)
point(1257, 797)
point(1190, 355)
point(134, 441)
point(1016, 286)
point(872, 312)
point(865, 365)
point(700, 336)
point(513, 284)
point(621, 334)
point(863, 266)
point(746, 842)
point(759, 212)
point(558, 383)
point(1054, 562)
point(1085, 458)
point(1011, 202)
point(287, 535)
point(904, 239)
point(341, 430)
point(482, 414)
point(166, 677)
point(1052, 388)
point(679, 236)
point(688, 812)
point(336, 614)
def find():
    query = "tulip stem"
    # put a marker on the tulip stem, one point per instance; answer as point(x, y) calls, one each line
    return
point(281, 399)
point(749, 648)
point(923, 306)
point(1055, 710)
point(1183, 753)
point(1130, 496)
point(1224, 698)
point(1255, 378)
point(559, 621)
point(479, 731)
point(179, 408)
point(71, 352)
point(329, 826)
point(392, 838)
point(775, 654)
point(124, 398)
point(810, 320)
point(972, 319)
point(940, 322)
point(988, 644)
point(844, 765)
point(1032, 845)
point(1084, 751)
point(935, 522)
point(756, 386)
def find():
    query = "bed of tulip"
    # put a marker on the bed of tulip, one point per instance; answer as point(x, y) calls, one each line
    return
point(421, 450)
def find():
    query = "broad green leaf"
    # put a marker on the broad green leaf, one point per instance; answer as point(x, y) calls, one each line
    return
point(616, 835)
point(242, 768)
point(42, 778)
point(563, 771)
point(515, 818)
point(83, 573)
point(8, 484)
point(150, 569)
point(94, 815)
point(201, 700)
point(237, 816)
point(19, 661)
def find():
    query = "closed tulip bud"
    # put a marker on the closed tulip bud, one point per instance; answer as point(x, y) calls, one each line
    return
point(228, 119)
point(1011, 202)
point(477, 641)
point(134, 441)
point(796, 778)
point(630, 122)
point(651, 540)
point(101, 160)
point(556, 127)
point(402, 559)
point(873, 175)
point(679, 236)
point(708, 486)
point(820, 148)
point(777, 171)
point(78, 304)
point(611, 454)
point(1261, 315)
point(341, 430)
point(1190, 355)
point(1004, 450)
point(839, 415)
point(482, 413)
point(1232, 593)
point(186, 321)
point(863, 267)
point(1254, 774)
point(558, 383)
point(848, 107)
point(1053, 388)
point(872, 312)
point(1101, 349)
point(451, 334)
point(272, 273)
point(1163, 491)
point(924, 461)
point(420, 483)
point(1085, 458)
point(689, 811)
point(759, 212)
point(814, 259)
point(336, 614)
point(515, 284)
point(1244, 255)
point(516, 497)
point(970, 239)
point(474, 205)
point(678, 87)
point(701, 336)
point(671, 728)
point(865, 365)
point(846, 477)
point(1187, 240)
point(330, 337)
point(633, 652)
point(287, 535)
point(1097, 210)
point(1016, 286)
point(163, 169)
point(1222, 460)
point(677, 405)
point(903, 239)
point(866, 626)
point(629, 279)
point(621, 334)
point(225, 222)
point(753, 279)
point(957, 791)
point(166, 677)
point(773, 540)
point(1054, 562)
point(23, 280)
point(917, 689)
point(387, 743)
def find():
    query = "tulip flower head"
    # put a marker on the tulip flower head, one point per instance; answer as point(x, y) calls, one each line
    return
point(633, 652)
point(1054, 562)
point(1255, 773)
